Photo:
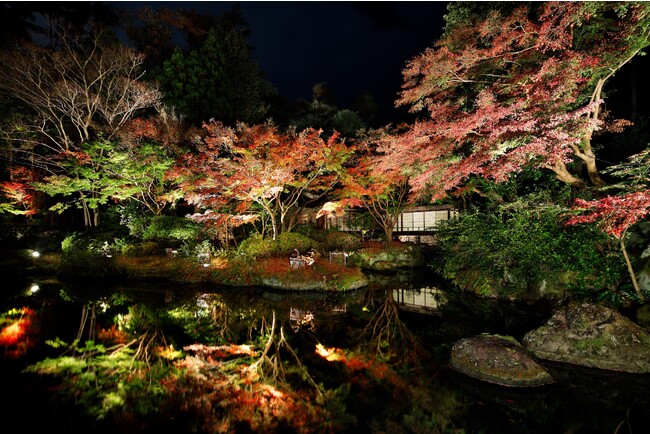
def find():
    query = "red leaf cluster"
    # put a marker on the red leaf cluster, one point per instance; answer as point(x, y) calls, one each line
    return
point(614, 214)
point(19, 190)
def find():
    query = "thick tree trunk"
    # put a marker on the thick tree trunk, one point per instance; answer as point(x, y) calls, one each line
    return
point(388, 231)
point(563, 174)
point(592, 170)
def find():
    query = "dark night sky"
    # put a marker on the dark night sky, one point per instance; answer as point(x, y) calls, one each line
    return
point(352, 46)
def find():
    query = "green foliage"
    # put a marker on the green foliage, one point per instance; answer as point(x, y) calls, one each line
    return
point(362, 221)
point(256, 246)
point(288, 242)
point(199, 251)
point(342, 241)
point(465, 13)
point(220, 80)
point(171, 228)
point(145, 248)
point(90, 242)
point(104, 384)
point(521, 247)
point(106, 171)
point(133, 217)
point(346, 122)
point(310, 231)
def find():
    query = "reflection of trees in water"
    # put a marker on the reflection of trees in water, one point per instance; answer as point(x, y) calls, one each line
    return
point(88, 318)
point(385, 333)
point(264, 376)
point(213, 319)
point(278, 359)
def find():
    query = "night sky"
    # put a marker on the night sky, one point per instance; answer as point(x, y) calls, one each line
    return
point(352, 46)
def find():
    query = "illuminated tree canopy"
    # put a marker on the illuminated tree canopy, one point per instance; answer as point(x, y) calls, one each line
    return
point(506, 91)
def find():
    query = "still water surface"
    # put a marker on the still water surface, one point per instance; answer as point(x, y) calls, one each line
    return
point(581, 400)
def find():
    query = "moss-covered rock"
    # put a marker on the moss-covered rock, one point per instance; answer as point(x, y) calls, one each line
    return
point(388, 258)
point(499, 360)
point(592, 336)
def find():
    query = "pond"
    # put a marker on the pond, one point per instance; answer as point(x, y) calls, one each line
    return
point(209, 359)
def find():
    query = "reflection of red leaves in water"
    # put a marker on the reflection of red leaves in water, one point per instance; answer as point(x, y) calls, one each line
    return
point(112, 335)
point(356, 362)
point(19, 335)
point(220, 351)
point(231, 400)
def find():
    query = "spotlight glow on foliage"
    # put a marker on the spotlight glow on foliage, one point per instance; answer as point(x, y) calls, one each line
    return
point(329, 354)
point(15, 336)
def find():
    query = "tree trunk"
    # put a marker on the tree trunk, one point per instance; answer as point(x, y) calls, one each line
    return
point(592, 170)
point(563, 174)
point(388, 231)
point(630, 269)
point(274, 226)
point(86, 211)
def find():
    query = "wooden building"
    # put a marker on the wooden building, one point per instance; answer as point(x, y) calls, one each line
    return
point(413, 220)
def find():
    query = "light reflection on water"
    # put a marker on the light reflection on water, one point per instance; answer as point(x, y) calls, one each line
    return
point(446, 319)
point(427, 300)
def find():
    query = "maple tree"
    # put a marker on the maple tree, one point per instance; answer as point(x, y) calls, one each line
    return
point(132, 169)
point(505, 91)
point(238, 168)
point(382, 193)
point(76, 92)
point(84, 88)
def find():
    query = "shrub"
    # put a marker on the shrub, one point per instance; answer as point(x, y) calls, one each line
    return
point(342, 241)
point(146, 248)
point(89, 242)
point(257, 247)
point(285, 245)
point(171, 228)
point(521, 247)
point(288, 242)
point(310, 231)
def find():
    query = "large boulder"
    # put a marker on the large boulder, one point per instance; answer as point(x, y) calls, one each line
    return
point(593, 336)
point(499, 360)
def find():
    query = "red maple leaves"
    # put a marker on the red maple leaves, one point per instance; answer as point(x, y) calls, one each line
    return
point(239, 168)
point(614, 214)
point(505, 92)
point(18, 190)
